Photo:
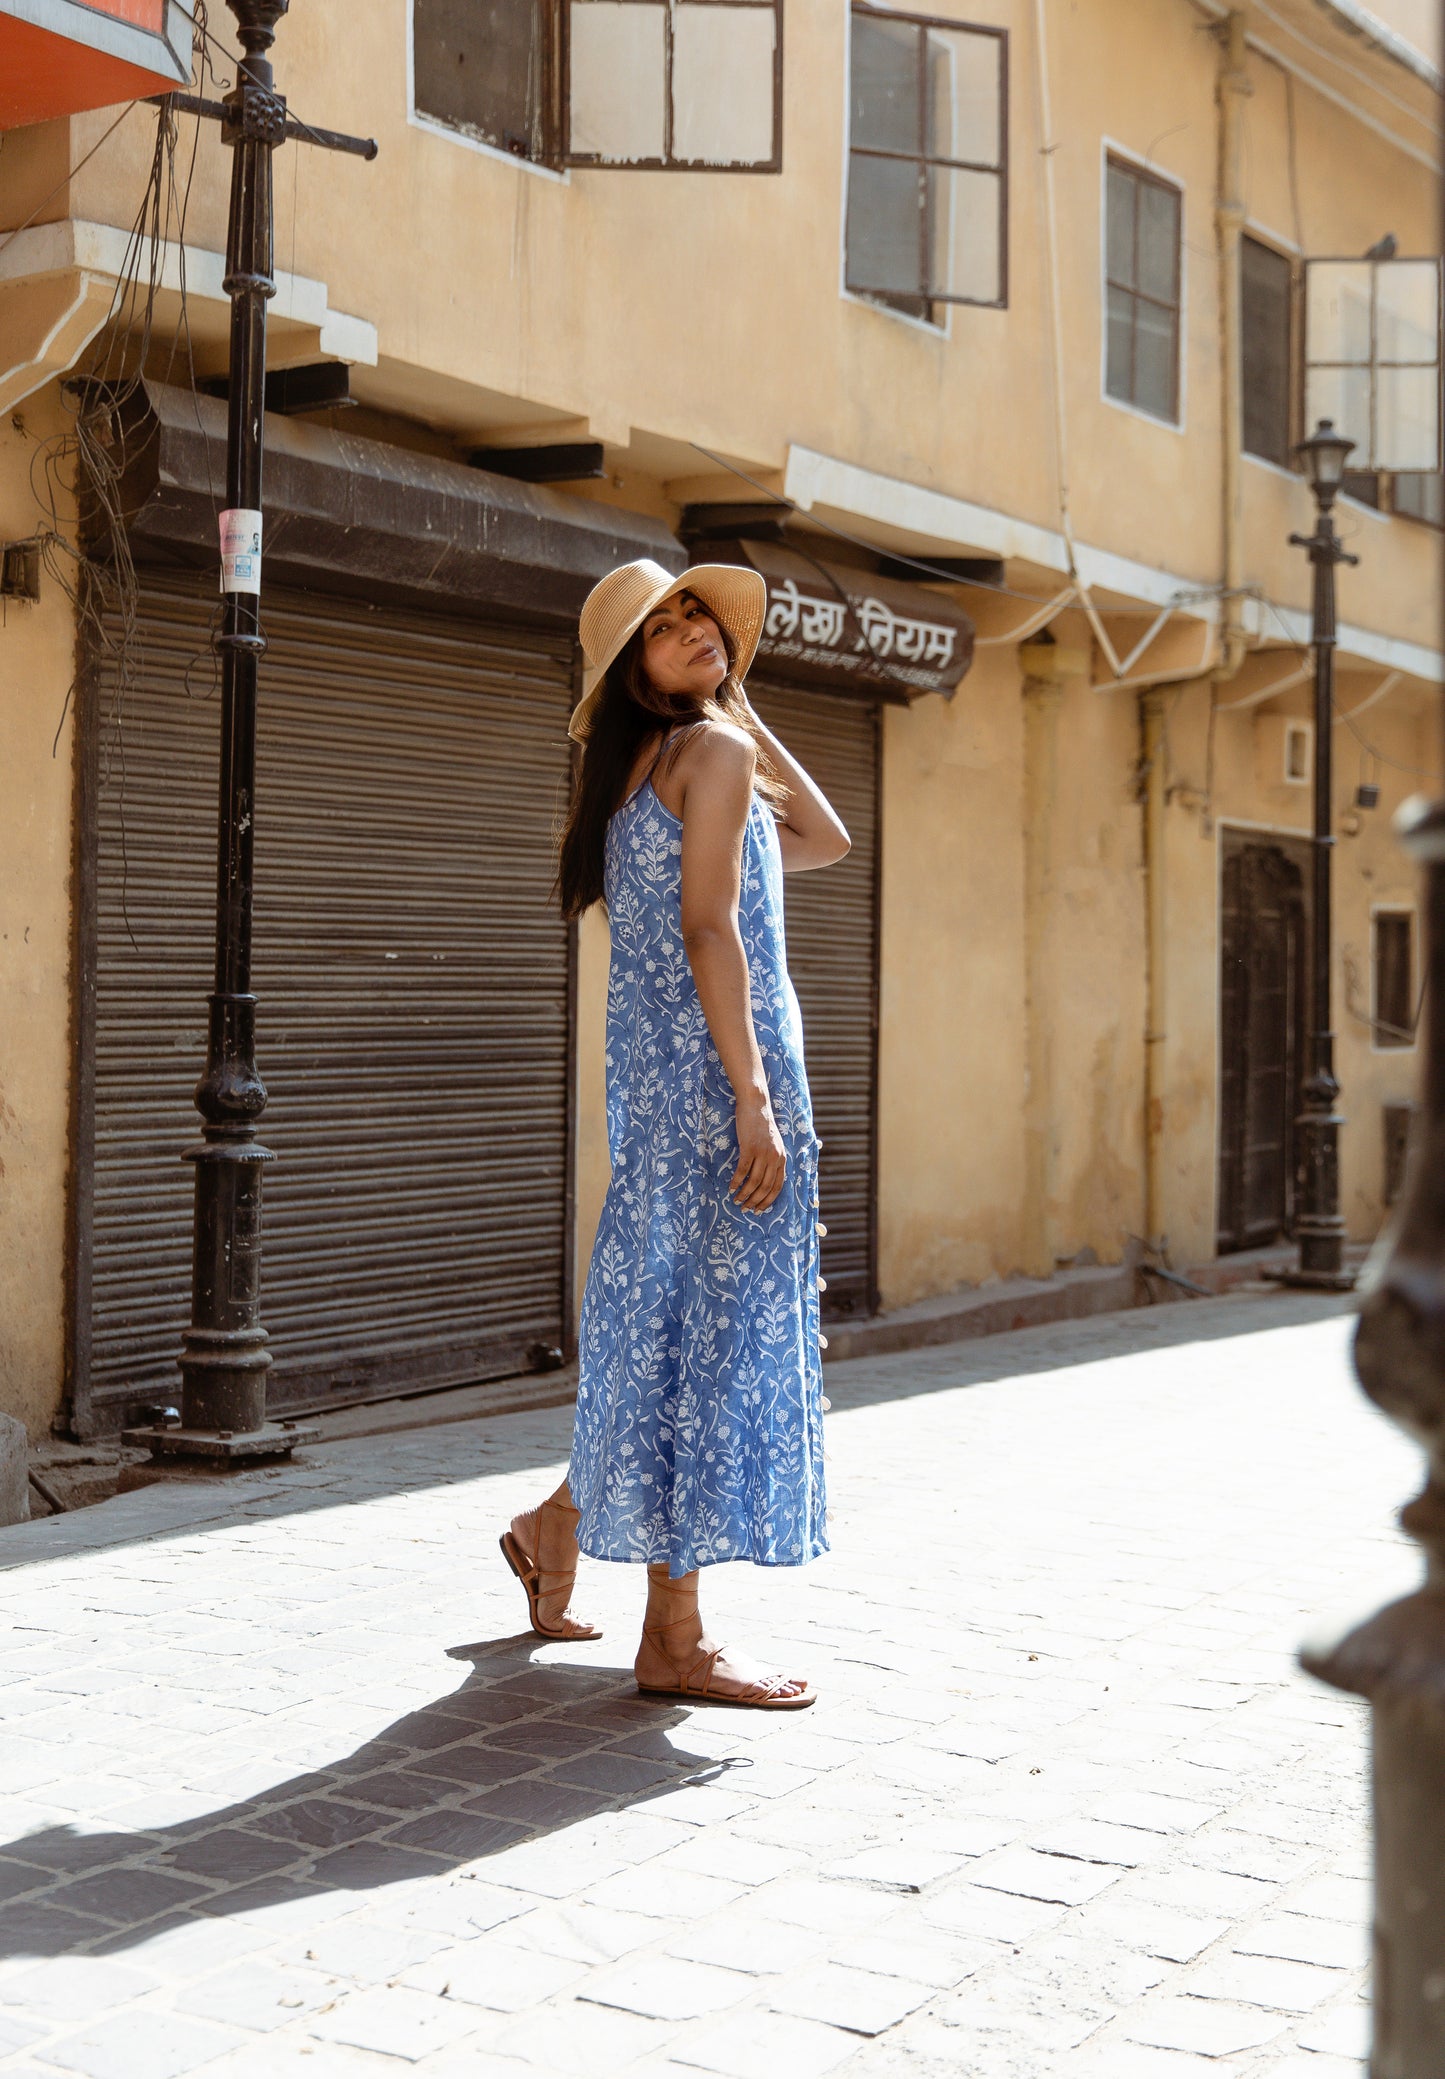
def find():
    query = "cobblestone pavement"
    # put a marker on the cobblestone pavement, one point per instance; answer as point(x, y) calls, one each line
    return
point(284, 1792)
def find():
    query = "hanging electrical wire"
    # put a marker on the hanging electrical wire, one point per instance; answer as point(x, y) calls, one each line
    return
point(67, 177)
point(1342, 714)
point(77, 473)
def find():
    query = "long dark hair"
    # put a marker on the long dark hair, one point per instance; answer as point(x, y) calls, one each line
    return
point(630, 710)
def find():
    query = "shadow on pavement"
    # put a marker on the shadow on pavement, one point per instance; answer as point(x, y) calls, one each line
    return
point(517, 1753)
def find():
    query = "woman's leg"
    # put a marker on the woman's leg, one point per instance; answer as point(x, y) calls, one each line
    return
point(676, 1649)
point(546, 1540)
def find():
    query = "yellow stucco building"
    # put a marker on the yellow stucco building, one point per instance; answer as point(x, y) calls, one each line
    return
point(987, 334)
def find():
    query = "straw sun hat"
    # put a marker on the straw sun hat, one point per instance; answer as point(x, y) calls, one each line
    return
point(617, 606)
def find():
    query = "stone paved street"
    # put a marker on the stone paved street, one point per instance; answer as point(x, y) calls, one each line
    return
point(283, 1790)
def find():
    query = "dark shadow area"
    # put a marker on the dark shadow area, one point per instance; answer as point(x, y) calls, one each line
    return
point(517, 1753)
point(441, 1455)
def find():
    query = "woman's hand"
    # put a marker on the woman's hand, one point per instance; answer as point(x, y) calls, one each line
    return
point(762, 1162)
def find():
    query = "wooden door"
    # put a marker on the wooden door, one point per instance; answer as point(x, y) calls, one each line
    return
point(1263, 945)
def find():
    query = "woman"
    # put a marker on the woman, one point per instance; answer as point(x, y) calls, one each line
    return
point(698, 1434)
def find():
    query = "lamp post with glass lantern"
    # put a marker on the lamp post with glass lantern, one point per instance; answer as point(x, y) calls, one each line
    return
point(1319, 1226)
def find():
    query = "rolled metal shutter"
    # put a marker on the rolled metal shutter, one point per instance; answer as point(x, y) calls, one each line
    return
point(832, 930)
point(413, 985)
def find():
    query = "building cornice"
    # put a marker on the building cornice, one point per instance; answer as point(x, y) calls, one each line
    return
point(912, 519)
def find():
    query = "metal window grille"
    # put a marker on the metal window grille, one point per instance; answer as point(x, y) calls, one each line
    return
point(1266, 280)
point(1142, 289)
point(927, 216)
point(1394, 965)
point(489, 70)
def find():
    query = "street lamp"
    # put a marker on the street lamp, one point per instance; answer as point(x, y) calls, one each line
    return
point(1319, 1225)
point(225, 1351)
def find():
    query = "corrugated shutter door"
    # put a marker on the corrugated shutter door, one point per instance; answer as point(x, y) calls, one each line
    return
point(832, 927)
point(413, 986)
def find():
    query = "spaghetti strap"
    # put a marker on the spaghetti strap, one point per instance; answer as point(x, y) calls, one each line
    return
point(672, 743)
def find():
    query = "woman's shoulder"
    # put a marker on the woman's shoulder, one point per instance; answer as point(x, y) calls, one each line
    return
point(716, 747)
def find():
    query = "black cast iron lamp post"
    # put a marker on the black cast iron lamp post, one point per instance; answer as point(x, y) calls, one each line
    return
point(225, 1351)
point(1318, 1224)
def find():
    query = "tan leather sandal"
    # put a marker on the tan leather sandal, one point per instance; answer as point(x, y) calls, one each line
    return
point(536, 1584)
point(766, 1695)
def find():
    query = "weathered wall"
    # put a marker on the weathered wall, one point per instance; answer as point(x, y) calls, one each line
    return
point(1094, 1005)
point(1370, 871)
point(37, 654)
point(537, 300)
point(951, 1082)
point(656, 312)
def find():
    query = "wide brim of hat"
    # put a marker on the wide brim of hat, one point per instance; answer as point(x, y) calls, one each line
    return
point(736, 597)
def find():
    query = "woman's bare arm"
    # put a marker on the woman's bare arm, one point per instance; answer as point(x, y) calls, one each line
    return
point(715, 771)
point(811, 833)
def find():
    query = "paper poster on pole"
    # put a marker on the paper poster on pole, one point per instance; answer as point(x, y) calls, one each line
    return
point(240, 549)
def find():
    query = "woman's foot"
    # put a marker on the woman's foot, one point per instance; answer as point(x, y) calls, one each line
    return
point(541, 1549)
point(678, 1659)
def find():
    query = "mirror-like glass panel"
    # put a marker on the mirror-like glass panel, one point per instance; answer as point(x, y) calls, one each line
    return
point(722, 84)
point(1407, 419)
point(1407, 307)
point(963, 213)
point(1337, 310)
point(617, 66)
point(964, 99)
point(1343, 395)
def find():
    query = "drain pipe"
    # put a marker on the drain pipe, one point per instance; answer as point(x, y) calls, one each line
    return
point(1151, 712)
point(1234, 91)
point(1045, 666)
point(1229, 213)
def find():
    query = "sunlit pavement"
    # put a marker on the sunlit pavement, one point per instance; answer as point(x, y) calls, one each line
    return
point(283, 1789)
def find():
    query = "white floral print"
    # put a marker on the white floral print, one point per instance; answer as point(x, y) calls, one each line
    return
point(698, 1435)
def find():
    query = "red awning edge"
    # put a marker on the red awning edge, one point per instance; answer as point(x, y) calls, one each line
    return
point(61, 57)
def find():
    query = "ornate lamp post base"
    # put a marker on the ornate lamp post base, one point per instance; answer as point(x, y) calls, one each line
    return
point(177, 1450)
point(1313, 1281)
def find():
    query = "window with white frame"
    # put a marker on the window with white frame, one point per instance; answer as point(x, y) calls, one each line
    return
point(927, 218)
point(666, 85)
point(1142, 275)
point(1394, 978)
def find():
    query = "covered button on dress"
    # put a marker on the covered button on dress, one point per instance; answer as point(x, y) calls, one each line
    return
point(699, 1426)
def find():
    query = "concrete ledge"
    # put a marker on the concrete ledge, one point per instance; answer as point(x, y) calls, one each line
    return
point(1071, 1295)
point(987, 1310)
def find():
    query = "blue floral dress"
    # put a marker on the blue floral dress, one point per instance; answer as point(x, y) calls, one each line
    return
point(699, 1427)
